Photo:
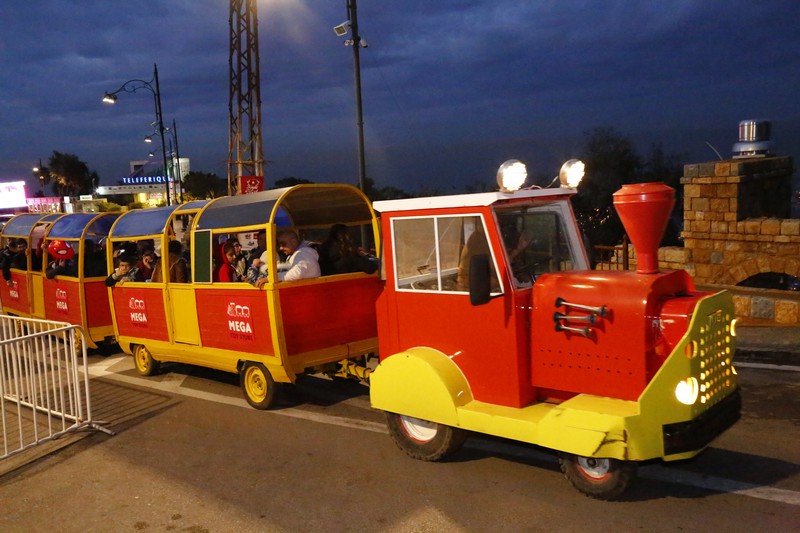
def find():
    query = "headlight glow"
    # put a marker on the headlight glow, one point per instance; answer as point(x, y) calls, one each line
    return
point(511, 175)
point(686, 391)
point(571, 173)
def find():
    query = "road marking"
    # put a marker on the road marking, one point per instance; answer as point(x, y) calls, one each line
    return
point(651, 471)
point(656, 472)
point(718, 484)
point(101, 370)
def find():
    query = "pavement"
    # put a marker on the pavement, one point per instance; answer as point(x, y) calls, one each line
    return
point(132, 412)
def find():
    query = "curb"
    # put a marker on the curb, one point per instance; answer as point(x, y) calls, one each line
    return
point(768, 344)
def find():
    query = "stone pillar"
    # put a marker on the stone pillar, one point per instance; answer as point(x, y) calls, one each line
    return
point(737, 225)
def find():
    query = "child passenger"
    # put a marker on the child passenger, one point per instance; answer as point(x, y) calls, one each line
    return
point(227, 271)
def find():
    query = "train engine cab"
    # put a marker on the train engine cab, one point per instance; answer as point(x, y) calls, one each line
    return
point(492, 322)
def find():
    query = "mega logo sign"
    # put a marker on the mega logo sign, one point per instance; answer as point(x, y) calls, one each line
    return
point(13, 290)
point(138, 312)
point(62, 301)
point(234, 320)
point(240, 325)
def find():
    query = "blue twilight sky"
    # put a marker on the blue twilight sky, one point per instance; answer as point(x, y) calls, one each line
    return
point(451, 88)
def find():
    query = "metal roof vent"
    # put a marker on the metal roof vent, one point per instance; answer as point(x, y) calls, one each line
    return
point(754, 139)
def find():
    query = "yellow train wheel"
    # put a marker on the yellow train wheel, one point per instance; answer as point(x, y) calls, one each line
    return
point(257, 385)
point(144, 362)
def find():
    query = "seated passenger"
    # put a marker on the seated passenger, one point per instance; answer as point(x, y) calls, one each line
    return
point(62, 263)
point(516, 244)
point(226, 271)
point(20, 259)
point(302, 261)
point(239, 262)
point(257, 272)
point(178, 271)
point(144, 270)
point(12, 256)
point(476, 245)
point(338, 254)
point(94, 264)
point(125, 270)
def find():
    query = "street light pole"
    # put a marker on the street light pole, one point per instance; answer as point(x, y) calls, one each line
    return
point(177, 179)
point(131, 86)
point(160, 119)
point(352, 15)
point(39, 172)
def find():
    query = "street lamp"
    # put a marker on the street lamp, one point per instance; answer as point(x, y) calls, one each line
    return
point(175, 158)
point(357, 43)
point(131, 86)
point(39, 172)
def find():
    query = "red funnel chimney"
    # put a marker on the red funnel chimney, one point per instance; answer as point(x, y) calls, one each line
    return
point(644, 209)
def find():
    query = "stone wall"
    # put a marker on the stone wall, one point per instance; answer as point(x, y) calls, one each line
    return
point(736, 225)
point(754, 305)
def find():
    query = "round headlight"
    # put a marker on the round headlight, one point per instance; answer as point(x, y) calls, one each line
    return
point(571, 173)
point(511, 175)
point(686, 391)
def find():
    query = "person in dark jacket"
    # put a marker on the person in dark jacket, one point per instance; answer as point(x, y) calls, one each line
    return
point(63, 262)
point(338, 254)
point(14, 255)
point(125, 270)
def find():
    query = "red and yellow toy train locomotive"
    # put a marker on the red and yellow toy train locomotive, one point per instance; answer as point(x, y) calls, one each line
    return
point(486, 317)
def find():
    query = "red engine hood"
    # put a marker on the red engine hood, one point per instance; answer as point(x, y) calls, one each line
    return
point(601, 333)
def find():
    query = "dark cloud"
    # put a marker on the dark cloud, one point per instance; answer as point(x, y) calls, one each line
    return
point(450, 88)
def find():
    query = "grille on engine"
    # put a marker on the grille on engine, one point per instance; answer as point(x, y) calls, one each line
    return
point(713, 359)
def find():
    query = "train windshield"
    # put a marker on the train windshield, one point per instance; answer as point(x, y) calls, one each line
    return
point(539, 238)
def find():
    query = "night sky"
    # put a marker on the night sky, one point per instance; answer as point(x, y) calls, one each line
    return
point(451, 88)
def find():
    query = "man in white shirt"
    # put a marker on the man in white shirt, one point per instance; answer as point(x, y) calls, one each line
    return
point(302, 261)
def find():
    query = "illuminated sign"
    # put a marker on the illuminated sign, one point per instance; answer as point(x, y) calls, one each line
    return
point(12, 194)
point(136, 180)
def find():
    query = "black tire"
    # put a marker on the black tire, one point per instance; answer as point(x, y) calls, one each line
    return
point(144, 362)
point(420, 439)
point(603, 479)
point(257, 385)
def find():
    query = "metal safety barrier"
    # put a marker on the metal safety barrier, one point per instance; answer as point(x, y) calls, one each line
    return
point(43, 395)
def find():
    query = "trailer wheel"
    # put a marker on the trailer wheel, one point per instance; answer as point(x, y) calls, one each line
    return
point(144, 362)
point(78, 343)
point(427, 441)
point(257, 385)
point(604, 479)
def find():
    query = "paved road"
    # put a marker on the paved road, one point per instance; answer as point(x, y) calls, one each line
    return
point(190, 455)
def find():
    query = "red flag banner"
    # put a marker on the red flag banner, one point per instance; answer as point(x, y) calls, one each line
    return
point(249, 184)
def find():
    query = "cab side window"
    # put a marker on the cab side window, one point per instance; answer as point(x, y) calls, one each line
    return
point(433, 253)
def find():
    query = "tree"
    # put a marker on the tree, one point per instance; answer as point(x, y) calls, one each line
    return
point(611, 162)
point(382, 193)
point(202, 185)
point(69, 175)
point(660, 166)
point(289, 181)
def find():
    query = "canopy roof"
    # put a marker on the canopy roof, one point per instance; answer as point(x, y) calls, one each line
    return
point(142, 222)
point(72, 226)
point(299, 206)
point(22, 225)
